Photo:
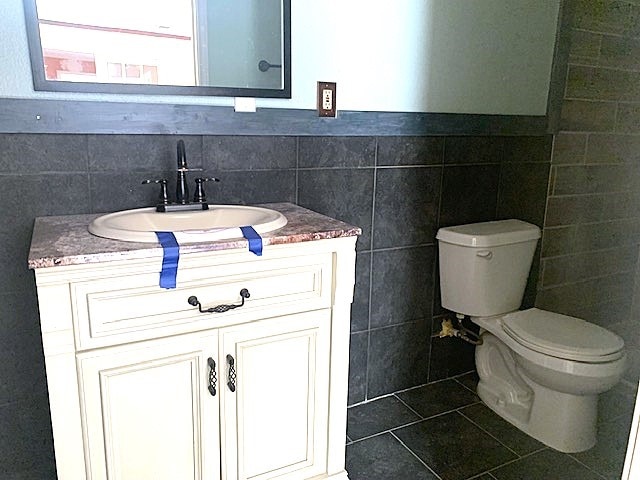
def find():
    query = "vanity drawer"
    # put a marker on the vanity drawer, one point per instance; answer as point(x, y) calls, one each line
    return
point(123, 309)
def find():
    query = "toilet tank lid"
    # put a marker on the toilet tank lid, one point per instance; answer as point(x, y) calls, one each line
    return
point(489, 234)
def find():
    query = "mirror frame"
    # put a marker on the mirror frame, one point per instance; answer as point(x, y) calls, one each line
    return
point(40, 83)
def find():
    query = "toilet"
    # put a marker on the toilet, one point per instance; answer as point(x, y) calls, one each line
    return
point(539, 370)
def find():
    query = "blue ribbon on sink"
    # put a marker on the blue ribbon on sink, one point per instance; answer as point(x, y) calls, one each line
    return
point(170, 257)
point(255, 240)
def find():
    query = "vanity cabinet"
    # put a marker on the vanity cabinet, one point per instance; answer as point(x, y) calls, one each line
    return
point(150, 413)
point(142, 385)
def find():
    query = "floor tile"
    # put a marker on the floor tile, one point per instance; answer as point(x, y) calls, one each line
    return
point(607, 457)
point(439, 397)
point(507, 434)
point(384, 458)
point(469, 380)
point(450, 445)
point(548, 465)
point(377, 416)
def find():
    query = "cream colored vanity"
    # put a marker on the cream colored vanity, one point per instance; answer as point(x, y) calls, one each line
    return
point(144, 386)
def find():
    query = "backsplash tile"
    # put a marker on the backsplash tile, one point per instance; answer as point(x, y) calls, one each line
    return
point(406, 206)
point(221, 153)
point(396, 151)
point(339, 152)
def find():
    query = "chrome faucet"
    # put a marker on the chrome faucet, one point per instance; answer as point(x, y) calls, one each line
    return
point(182, 187)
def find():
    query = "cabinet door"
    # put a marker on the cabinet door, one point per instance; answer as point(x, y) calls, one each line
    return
point(148, 412)
point(274, 423)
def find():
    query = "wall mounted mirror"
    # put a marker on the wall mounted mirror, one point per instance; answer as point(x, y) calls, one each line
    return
point(239, 48)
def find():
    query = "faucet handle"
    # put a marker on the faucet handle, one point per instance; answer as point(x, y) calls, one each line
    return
point(199, 196)
point(164, 198)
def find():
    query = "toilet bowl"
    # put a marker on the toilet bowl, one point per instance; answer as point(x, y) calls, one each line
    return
point(530, 382)
point(539, 370)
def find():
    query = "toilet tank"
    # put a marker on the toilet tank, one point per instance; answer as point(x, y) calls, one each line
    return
point(484, 266)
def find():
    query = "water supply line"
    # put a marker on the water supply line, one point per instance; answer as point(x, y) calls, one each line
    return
point(462, 332)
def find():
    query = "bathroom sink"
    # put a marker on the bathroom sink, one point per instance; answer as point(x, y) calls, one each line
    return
point(219, 222)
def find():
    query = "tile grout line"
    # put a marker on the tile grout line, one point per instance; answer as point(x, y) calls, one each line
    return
point(488, 433)
point(416, 456)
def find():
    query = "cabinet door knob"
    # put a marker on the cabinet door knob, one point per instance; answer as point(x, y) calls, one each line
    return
point(213, 379)
point(193, 300)
point(231, 376)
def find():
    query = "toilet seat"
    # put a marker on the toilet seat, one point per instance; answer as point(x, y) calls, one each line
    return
point(562, 336)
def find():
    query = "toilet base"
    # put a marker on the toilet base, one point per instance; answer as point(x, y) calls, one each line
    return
point(560, 420)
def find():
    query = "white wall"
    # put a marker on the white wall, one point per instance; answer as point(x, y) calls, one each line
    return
point(457, 56)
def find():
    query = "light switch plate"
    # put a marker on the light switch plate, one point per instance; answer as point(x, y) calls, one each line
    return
point(327, 99)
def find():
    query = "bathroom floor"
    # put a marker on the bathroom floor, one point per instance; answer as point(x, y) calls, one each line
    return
point(443, 431)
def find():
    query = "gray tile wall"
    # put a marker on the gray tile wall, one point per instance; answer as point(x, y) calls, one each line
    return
point(592, 226)
point(398, 189)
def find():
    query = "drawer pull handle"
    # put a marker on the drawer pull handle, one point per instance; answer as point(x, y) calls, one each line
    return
point(213, 379)
point(193, 300)
point(231, 377)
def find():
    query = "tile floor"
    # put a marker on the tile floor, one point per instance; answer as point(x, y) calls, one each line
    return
point(442, 431)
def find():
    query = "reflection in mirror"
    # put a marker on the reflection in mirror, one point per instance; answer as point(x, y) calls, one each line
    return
point(191, 47)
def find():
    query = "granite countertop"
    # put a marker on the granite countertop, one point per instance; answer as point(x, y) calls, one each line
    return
point(65, 240)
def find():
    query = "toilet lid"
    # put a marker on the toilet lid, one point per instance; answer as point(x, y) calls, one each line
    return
point(562, 336)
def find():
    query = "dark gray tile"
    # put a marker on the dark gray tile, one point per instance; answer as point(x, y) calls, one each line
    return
point(547, 464)
point(35, 153)
point(438, 442)
point(582, 266)
point(587, 116)
point(473, 150)
point(597, 236)
point(607, 457)
point(523, 191)
point(585, 45)
point(616, 403)
point(253, 187)
point(57, 194)
point(469, 380)
point(248, 152)
point(507, 434)
point(406, 206)
point(628, 120)
point(14, 250)
point(141, 153)
point(358, 352)
point(410, 150)
point(527, 149)
point(26, 443)
point(621, 52)
point(21, 355)
point(449, 356)
point(378, 416)
point(572, 209)
point(436, 398)
point(360, 305)
point(469, 194)
point(572, 298)
point(397, 358)
point(111, 191)
point(384, 458)
point(594, 83)
point(402, 285)
point(581, 179)
point(569, 148)
point(558, 241)
point(613, 149)
point(345, 194)
point(607, 16)
point(351, 152)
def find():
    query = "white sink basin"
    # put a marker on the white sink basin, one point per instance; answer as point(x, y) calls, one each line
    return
point(220, 222)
